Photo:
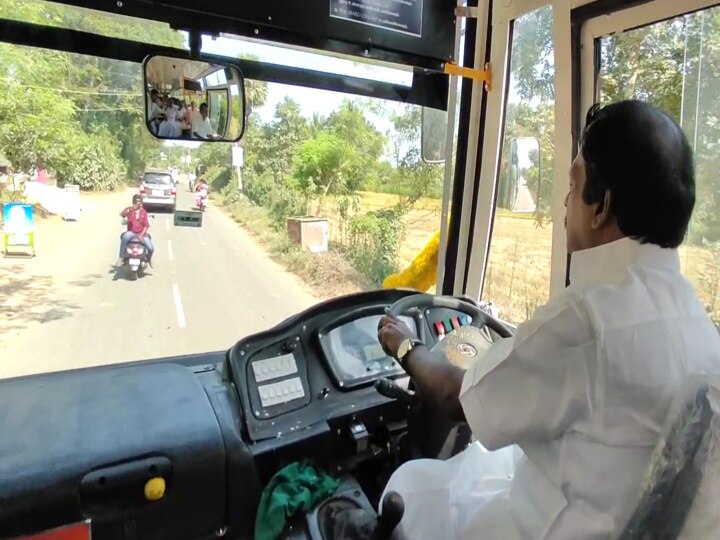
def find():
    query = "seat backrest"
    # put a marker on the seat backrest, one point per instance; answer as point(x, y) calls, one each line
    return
point(680, 496)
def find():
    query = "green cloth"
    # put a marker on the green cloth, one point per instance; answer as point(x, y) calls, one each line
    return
point(299, 486)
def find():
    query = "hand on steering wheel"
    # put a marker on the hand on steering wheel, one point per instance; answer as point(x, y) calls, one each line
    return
point(392, 332)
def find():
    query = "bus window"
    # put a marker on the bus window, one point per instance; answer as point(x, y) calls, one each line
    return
point(218, 107)
point(517, 279)
point(673, 64)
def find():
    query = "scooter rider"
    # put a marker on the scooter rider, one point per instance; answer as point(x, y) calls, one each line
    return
point(137, 227)
point(202, 184)
point(201, 193)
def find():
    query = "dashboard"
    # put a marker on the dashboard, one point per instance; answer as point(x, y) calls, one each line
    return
point(317, 370)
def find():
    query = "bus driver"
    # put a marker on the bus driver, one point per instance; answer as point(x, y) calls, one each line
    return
point(581, 392)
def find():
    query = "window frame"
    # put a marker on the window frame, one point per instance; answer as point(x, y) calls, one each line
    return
point(500, 56)
point(617, 22)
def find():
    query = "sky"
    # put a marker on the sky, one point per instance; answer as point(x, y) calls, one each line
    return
point(311, 100)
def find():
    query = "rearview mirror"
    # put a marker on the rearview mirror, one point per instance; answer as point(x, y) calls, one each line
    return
point(433, 135)
point(197, 100)
point(519, 189)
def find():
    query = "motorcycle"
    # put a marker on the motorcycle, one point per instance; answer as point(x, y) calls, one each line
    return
point(201, 199)
point(135, 258)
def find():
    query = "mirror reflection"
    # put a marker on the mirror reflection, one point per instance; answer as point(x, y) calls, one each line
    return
point(194, 100)
point(519, 186)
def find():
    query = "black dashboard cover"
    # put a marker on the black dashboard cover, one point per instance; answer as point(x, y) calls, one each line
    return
point(59, 431)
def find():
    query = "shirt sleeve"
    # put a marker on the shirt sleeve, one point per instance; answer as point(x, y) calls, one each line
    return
point(533, 386)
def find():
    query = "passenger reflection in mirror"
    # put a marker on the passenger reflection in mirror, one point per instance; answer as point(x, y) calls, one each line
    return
point(155, 110)
point(168, 127)
point(201, 126)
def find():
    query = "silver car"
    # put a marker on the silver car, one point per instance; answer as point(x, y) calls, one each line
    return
point(158, 190)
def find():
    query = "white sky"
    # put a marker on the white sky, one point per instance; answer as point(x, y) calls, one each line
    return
point(311, 100)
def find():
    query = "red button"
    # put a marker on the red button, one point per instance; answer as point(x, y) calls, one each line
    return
point(455, 323)
point(439, 328)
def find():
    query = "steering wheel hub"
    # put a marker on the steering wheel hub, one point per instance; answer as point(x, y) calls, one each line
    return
point(462, 346)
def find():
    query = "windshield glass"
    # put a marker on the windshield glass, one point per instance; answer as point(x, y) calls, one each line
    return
point(325, 195)
point(156, 178)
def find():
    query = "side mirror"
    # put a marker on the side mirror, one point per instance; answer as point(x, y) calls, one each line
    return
point(188, 99)
point(433, 135)
point(519, 189)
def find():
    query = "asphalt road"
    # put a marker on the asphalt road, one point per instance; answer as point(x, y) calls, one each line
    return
point(69, 307)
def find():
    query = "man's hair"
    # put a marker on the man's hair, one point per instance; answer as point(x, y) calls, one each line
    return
point(153, 92)
point(136, 198)
point(203, 105)
point(642, 157)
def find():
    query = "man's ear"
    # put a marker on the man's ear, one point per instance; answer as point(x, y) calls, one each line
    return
point(603, 211)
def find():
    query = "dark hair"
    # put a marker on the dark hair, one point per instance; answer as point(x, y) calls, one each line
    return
point(642, 157)
point(203, 105)
point(136, 198)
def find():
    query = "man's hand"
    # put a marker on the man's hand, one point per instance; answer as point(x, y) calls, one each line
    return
point(391, 333)
point(436, 382)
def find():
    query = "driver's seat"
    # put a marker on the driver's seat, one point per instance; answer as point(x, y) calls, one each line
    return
point(681, 494)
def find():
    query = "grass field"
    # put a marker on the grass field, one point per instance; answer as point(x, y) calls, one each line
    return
point(517, 279)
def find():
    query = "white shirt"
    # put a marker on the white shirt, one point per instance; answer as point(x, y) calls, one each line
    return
point(201, 126)
point(582, 389)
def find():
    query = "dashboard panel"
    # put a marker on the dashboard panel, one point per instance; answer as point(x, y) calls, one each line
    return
point(353, 354)
point(297, 378)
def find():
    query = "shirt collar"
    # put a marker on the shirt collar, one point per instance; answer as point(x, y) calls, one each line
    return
point(609, 263)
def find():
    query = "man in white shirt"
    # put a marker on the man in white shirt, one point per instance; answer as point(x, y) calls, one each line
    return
point(201, 127)
point(572, 406)
point(155, 111)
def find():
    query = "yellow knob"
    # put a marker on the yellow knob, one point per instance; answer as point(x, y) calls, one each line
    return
point(155, 489)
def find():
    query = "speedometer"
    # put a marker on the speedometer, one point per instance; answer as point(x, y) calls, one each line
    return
point(354, 355)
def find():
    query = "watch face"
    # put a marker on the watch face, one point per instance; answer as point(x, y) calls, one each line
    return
point(404, 348)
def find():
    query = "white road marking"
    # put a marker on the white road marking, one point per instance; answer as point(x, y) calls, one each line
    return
point(170, 251)
point(179, 306)
point(167, 224)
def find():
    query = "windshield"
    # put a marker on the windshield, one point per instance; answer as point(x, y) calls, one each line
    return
point(157, 178)
point(325, 195)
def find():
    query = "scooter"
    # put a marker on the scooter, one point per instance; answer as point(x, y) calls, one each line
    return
point(135, 259)
point(201, 199)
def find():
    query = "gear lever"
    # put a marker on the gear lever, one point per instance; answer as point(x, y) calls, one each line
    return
point(390, 389)
point(391, 513)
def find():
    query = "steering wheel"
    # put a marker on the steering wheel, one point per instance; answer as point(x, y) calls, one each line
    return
point(430, 433)
point(480, 319)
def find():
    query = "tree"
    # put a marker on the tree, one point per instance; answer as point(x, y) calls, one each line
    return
point(59, 107)
point(342, 156)
point(280, 140)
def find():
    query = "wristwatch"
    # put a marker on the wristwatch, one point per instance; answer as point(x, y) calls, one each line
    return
point(404, 349)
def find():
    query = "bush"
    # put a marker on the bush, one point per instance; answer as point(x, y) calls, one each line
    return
point(92, 163)
point(229, 194)
point(259, 188)
point(374, 239)
point(286, 203)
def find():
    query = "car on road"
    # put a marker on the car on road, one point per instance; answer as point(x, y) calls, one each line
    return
point(158, 190)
